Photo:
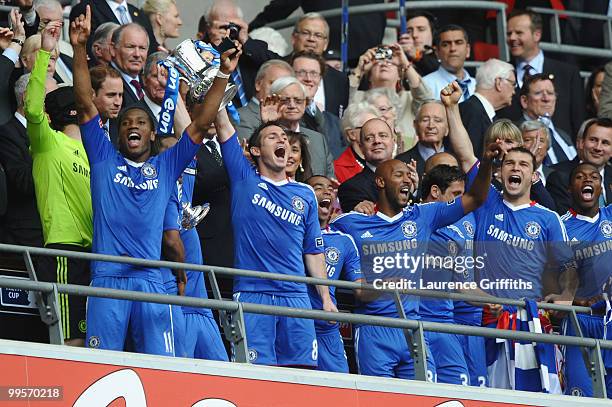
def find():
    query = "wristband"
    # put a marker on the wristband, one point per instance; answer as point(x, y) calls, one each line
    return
point(222, 75)
point(17, 41)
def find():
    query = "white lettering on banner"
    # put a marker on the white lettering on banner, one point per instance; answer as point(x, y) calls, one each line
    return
point(168, 103)
point(122, 179)
point(126, 384)
point(276, 210)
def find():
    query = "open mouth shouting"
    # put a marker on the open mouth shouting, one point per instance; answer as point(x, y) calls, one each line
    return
point(404, 191)
point(325, 203)
point(133, 139)
point(587, 193)
point(514, 181)
point(280, 151)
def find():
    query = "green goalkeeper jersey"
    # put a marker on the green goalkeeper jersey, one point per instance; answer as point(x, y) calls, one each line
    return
point(60, 169)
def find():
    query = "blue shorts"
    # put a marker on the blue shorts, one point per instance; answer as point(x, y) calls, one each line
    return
point(202, 339)
point(447, 356)
point(149, 324)
point(276, 340)
point(383, 351)
point(332, 357)
point(474, 353)
point(577, 379)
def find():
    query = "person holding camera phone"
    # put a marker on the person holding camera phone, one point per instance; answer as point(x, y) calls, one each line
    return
point(388, 67)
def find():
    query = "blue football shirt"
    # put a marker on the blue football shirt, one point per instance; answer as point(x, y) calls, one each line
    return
point(591, 240)
point(516, 243)
point(275, 224)
point(129, 201)
point(452, 248)
point(381, 239)
point(341, 262)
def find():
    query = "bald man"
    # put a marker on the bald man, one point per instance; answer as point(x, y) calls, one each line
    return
point(440, 159)
point(383, 351)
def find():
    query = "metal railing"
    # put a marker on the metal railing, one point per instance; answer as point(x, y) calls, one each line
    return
point(232, 312)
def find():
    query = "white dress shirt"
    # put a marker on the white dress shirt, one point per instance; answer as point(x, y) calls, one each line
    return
point(487, 105)
point(114, 6)
point(537, 66)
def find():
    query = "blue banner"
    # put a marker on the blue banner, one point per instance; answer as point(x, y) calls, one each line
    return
point(168, 107)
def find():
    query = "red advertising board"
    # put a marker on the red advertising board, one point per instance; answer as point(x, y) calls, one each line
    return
point(87, 384)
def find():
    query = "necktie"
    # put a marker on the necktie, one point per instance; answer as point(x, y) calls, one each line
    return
point(123, 15)
point(465, 88)
point(215, 153)
point(561, 156)
point(527, 72)
point(136, 84)
point(238, 82)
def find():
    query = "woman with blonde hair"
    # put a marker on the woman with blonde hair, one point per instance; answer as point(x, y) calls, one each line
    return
point(165, 20)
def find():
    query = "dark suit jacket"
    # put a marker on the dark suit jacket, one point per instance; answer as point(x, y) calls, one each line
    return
point(476, 121)
point(335, 83)
point(102, 13)
point(21, 221)
point(129, 97)
point(328, 125)
point(7, 84)
point(365, 30)
point(359, 188)
point(570, 109)
point(557, 183)
point(215, 231)
point(413, 154)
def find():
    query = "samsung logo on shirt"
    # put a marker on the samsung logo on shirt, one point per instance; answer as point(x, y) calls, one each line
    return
point(511, 240)
point(148, 185)
point(594, 250)
point(276, 210)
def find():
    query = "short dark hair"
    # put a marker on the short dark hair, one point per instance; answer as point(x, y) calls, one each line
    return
point(99, 73)
point(536, 19)
point(433, 21)
point(531, 79)
point(447, 28)
point(142, 109)
point(522, 149)
point(599, 121)
point(255, 139)
point(309, 55)
point(582, 164)
point(443, 176)
point(306, 170)
point(590, 103)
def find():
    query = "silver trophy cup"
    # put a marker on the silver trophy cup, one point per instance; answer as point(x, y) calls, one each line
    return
point(198, 72)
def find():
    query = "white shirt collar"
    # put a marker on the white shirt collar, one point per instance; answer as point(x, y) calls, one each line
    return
point(277, 183)
point(114, 6)
point(21, 119)
point(319, 97)
point(587, 219)
point(371, 167)
point(388, 219)
point(487, 105)
point(155, 108)
point(537, 63)
point(540, 171)
point(516, 207)
point(125, 76)
point(427, 152)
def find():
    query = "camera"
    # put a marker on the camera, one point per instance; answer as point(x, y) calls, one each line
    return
point(383, 53)
point(233, 30)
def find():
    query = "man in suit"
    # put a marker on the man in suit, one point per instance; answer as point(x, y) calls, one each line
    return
point(108, 97)
point(523, 37)
point(115, 11)
point(365, 30)
point(377, 142)
point(538, 98)
point(595, 146)
point(495, 84)
point(431, 128)
point(21, 222)
point(311, 33)
point(129, 51)
point(220, 14)
point(250, 118)
point(212, 187)
point(308, 68)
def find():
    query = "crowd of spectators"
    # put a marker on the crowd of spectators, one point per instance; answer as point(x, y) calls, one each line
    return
point(307, 171)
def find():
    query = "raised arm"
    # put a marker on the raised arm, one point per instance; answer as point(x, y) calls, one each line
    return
point(204, 113)
point(80, 29)
point(459, 137)
point(477, 195)
point(224, 126)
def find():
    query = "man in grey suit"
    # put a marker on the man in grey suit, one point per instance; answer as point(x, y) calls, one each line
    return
point(538, 99)
point(250, 118)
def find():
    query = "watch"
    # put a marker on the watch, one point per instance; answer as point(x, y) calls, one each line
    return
point(17, 41)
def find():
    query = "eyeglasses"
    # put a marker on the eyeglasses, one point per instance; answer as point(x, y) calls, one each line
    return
point(370, 138)
point(288, 100)
point(308, 34)
point(511, 82)
point(304, 74)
